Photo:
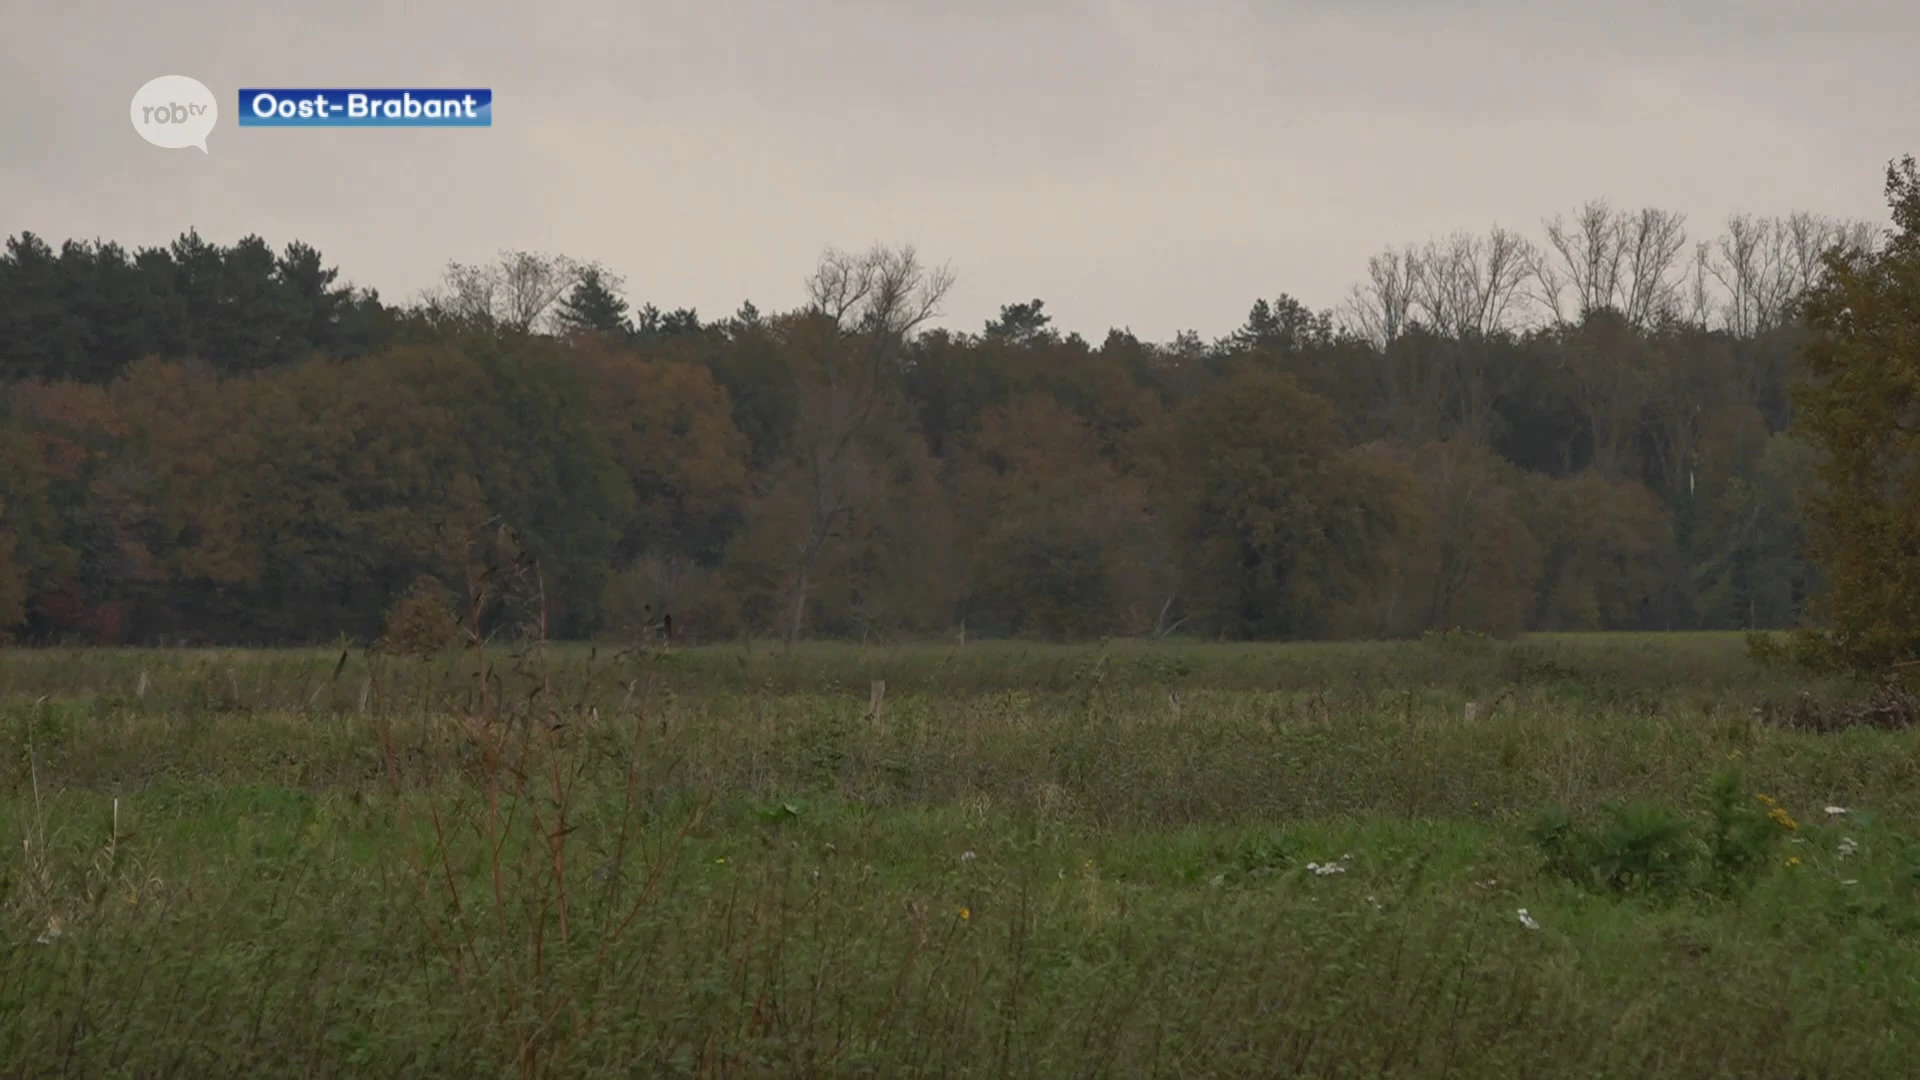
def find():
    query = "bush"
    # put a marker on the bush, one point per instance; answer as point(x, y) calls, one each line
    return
point(1745, 832)
point(1641, 849)
point(1645, 849)
point(422, 622)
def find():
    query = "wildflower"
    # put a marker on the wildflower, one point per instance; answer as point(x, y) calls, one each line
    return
point(1836, 811)
point(1849, 882)
point(1323, 869)
point(721, 859)
point(1780, 817)
point(965, 914)
point(1765, 799)
point(966, 856)
point(1847, 847)
point(1793, 860)
point(1527, 920)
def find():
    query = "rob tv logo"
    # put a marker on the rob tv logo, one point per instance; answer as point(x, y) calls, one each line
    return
point(175, 112)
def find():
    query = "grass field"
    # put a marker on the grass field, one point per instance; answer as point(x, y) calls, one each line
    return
point(1588, 856)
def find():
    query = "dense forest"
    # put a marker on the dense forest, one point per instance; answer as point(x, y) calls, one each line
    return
point(1590, 429)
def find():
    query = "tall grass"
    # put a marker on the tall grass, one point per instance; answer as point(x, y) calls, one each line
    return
point(1118, 861)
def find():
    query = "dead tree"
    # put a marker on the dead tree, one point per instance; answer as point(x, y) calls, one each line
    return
point(862, 312)
point(1605, 259)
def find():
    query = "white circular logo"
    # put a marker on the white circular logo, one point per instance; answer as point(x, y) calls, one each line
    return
point(175, 112)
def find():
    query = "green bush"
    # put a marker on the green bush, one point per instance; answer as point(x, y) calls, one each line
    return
point(1645, 849)
point(1745, 831)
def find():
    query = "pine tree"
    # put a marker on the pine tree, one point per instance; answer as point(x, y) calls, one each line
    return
point(595, 305)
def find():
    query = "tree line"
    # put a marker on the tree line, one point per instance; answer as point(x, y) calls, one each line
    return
point(1594, 429)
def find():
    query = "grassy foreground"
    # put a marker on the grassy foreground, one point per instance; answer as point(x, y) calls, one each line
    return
point(1561, 857)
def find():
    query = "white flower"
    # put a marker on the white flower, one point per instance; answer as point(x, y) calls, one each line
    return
point(1526, 920)
point(1847, 847)
point(1849, 882)
point(1323, 869)
point(966, 856)
point(1836, 811)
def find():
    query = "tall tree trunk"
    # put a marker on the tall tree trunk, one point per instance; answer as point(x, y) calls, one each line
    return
point(799, 610)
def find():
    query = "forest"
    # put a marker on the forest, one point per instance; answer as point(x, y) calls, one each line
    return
point(1586, 429)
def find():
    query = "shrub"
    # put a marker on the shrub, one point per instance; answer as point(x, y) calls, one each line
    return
point(1745, 831)
point(422, 621)
point(1644, 849)
point(1640, 849)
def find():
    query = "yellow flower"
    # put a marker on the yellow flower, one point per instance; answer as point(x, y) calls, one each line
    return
point(1780, 817)
point(1764, 799)
point(1793, 860)
point(966, 913)
point(721, 859)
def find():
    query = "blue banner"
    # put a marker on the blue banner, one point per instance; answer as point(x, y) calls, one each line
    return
point(409, 107)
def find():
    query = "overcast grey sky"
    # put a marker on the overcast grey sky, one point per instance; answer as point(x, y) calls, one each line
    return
point(1158, 165)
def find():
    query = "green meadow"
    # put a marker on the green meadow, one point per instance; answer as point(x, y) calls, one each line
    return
point(1627, 856)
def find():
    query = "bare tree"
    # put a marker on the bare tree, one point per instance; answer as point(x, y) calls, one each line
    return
point(862, 312)
point(1699, 298)
point(532, 284)
point(1467, 285)
point(1380, 309)
point(1811, 236)
point(1464, 290)
point(518, 292)
point(1653, 240)
point(1624, 266)
point(1765, 264)
point(1748, 261)
point(1609, 259)
point(1588, 263)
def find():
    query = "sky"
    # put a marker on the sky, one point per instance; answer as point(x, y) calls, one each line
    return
point(1153, 166)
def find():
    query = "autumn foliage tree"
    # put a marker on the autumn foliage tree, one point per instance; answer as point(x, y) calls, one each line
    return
point(1860, 406)
point(847, 347)
point(1274, 519)
point(1053, 537)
